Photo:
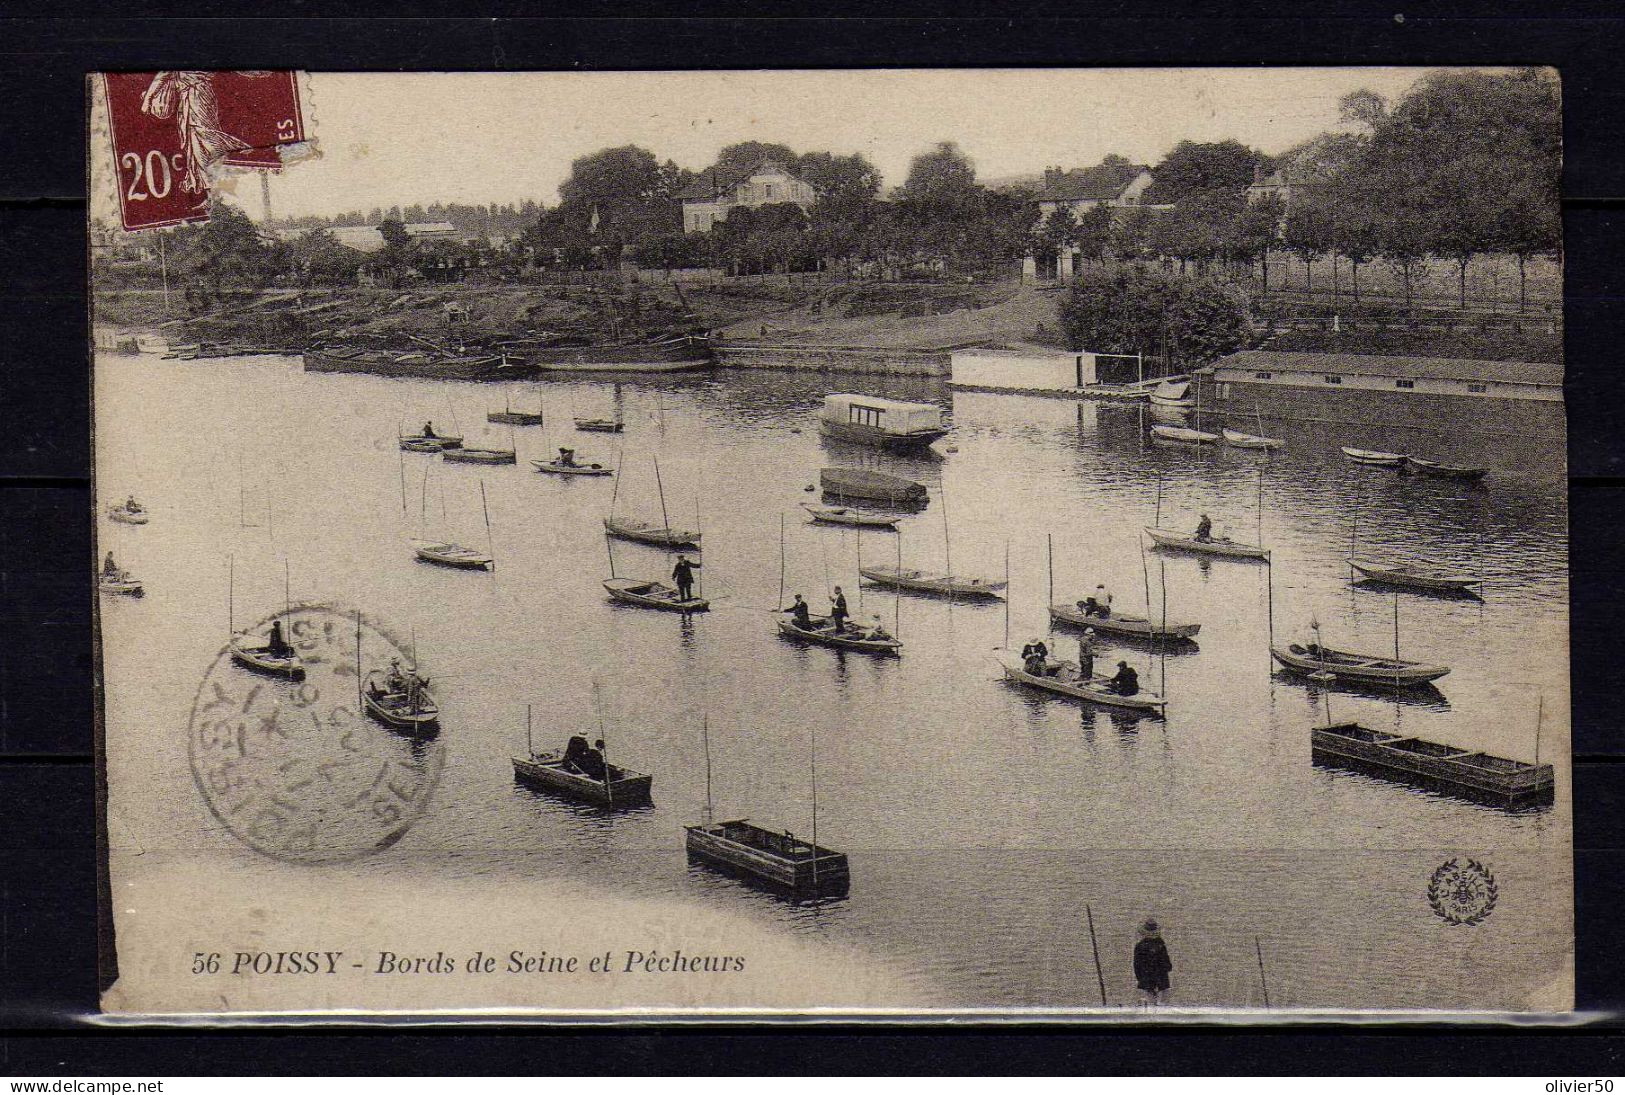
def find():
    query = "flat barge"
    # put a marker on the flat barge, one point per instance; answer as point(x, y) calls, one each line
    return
point(1461, 772)
point(779, 859)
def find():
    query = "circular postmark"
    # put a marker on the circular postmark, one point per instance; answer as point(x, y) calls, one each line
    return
point(296, 769)
point(1463, 892)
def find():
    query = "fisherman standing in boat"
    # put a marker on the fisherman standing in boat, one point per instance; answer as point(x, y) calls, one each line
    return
point(800, 615)
point(838, 613)
point(1126, 682)
point(395, 680)
point(1086, 655)
point(277, 646)
point(683, 575)
point(1204, 529)
point(428, 431)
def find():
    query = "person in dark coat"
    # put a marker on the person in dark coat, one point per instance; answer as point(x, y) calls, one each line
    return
point(575, 751)
point(1086, 655)
point(277, 647)
point(837, 610)
point(109, 568)
point(683, 575)
point(1126, 682)
point(428, 429)
point(1152, 965)
point(592, 761)
point(1204, 529)
point(1033, 657)
point(800, 615)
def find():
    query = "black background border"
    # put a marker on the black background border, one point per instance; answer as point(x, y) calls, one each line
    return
point(48, 923)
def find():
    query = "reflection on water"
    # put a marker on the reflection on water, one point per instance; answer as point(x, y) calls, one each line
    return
point(979, 818)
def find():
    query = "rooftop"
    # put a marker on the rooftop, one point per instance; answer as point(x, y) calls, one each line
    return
point(712, 183)
point(1103, 182)
point(1426, 368)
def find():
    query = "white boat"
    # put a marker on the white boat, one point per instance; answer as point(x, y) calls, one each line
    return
point(121, 582)
point(1239, 440)
point(450, 555)
point(122, 512)
point(1374, 458)
point(553, 467)
point(841, 515)
point(1172, 393)
point(1183, 435)
point(1214, 545)
point(884, 423)
point(245, 652)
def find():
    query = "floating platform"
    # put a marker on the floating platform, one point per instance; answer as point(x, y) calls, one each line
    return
point(779, 859)
point(1462, 772)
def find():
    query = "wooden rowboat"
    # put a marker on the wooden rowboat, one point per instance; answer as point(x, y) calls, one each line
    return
point(1374, 458)
point(1116, 624)
point(261, 660)
point(778, 858)
point(553, 467)
point(841, 515)
point(1465, 772)
point(514, 418)
point(1436, 470)
point(650, 534)
point(651, 594)
point(873, 485)
point(1323, 663)
point(1172, 393)
point(1217, 545)
point(127, 516)
point(411, 709)
point(623, 789)
point(921, 581)
point(1236, 439)
point(1413, 575)
point(824, 634)
point(450, 555)
point(1066, 682)
point(1184, 435)
point(462, 455)
point(599, 425)
point(120, 582)
point(419, 443)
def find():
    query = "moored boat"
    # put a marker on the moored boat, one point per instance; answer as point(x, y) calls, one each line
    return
point(1065, 681)
point(921, 581)
point(674, 354)
point(1466, 772)
point(1435, 470)
point(1172, 393)
point(645, 533)
point(450, 555)
point(1374, 458)
point(1237, 439)
point(119, 582)
point(1414, 575)
point(464, 455)
point(123, 513)
point(1184, 435)
point(425, 443)
point(553, 467)
point(415, 363)
point(865, 640)
point(261, 659)
point(1215, 545)
point(884, 423)
point(1121, 624)
point(872, 485)
point(599, 425)
point(841, 515)
point(1325, 664)
point(652, 594)
point(779, 858)
point(621, 789)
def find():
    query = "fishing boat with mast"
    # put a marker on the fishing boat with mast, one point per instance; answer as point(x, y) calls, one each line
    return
point(482, 454)
point(1323, 664)
point(1465, 773)
point(922, 581)
point(618, 789)
point(1213, 545)
point(1409, 575)
point(663, 535)
point(120, 582)
point(648, 593)
point(1124, 624)
point(821, 630)
point(449, 553)
point(508, 416)
point(276, 656)
point(397, 696)
point(1063, 678)
point(800, 868)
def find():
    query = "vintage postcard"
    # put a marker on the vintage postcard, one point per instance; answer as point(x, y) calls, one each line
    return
point(1047, 543)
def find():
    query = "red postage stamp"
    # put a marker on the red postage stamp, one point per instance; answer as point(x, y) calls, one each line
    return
point(170, 129)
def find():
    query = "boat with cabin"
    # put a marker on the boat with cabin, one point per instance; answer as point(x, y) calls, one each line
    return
point(843, 515)
point(1213, 545)
point(652, 594)
point(1414, 575)
point(875, 486)
point(1130, 626)
point(921, 581)
point(884, 423)
point(1322, 663)
point(1064, 679)
point(1464, 772)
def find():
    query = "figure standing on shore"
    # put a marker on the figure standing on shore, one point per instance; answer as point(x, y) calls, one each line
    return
point(1152, 965)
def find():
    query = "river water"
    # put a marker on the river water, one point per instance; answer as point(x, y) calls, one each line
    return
point(985, 825)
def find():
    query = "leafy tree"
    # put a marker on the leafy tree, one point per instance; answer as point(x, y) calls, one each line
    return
point(737, 158)
point(1193, 167)
point(1093, 233)
point(224, 253)
point(843, 181)
point(1128, 310)
point(1309, 231)
point(942, 183)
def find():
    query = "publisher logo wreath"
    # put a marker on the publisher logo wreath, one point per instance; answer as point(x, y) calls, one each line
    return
point(1463, 892)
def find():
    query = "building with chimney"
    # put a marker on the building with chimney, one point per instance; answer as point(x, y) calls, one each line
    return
point(1115, 183)
point(709, 199)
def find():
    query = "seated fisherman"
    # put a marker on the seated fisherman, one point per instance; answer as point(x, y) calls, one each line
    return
point(877, 630)
point(1099, 604)
point(592, 761)
point(567, 458)
point(428, 429)
point(574, 751)
point(395, 680)
point(800, 615)
point(131, 505)
point(277, 646)
point(1034, 655)
point(1126, 682)
point(109, 568)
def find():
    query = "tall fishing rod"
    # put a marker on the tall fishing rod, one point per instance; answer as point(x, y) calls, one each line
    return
point(947, 546)
point(1162, 565)
point(603, 736)
point(402, 453)
point(780, 603)
point(1158, 522)
point(231, 594)
point(812, 731)
point(897, 597)
point(1100, 976)
point(1145, 574)
point(660, 486)
point(1263, 978)
point(699, 534)
point(360, 707)
point(1396, 647)
point(1007, 593)
point(705, 738)
point(490, 541)
point(530, 747)
point(287, 594)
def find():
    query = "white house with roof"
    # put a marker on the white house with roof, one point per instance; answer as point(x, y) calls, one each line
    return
point(1119, 185)
point(709, 199)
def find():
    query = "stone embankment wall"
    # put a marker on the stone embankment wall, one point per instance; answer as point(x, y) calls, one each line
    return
point(836, 359)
